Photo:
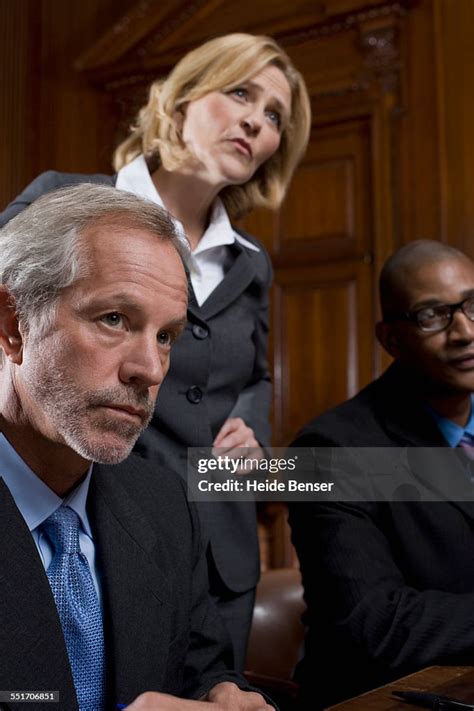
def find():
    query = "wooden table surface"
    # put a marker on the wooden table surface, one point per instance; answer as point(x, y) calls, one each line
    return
point(457, 682)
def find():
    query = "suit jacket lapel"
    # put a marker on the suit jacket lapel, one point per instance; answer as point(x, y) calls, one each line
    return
point(439, 468)
point(402, 414)
point(236, 280)
point(136, 593)
point(34, 654)
point(415, 428)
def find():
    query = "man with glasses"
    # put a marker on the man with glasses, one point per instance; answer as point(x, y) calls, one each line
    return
point(390, 584)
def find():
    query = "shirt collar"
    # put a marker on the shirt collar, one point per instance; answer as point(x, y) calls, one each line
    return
point(34, 499)
point(135, 178)
point(450, 430)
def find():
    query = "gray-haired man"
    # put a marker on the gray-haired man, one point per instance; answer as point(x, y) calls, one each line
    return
point(104, 585)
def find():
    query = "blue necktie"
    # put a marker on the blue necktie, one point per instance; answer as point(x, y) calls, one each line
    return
point(78, 607)
point(467, 443)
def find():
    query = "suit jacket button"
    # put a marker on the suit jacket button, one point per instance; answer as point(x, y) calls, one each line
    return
point(194, 394)
point(200, 332)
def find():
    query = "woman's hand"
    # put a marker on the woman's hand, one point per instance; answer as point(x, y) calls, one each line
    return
point(235, 439)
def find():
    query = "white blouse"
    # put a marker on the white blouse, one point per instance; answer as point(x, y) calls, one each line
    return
point(207, 263)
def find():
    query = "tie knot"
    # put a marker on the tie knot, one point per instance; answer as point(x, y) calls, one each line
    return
point(467, 439)
point(62, 529)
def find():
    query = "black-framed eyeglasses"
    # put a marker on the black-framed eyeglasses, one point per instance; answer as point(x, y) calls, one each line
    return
point(431, 319)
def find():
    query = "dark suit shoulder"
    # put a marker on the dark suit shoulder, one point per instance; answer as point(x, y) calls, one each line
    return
point(47, 182)
point(158, 495)
point(154, 487)
point(142, 477)
point(389, 412)
point(352, 423)
point(53, 179)
point(249, 237)
point(261, 259)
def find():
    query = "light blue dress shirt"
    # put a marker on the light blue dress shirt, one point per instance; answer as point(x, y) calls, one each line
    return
point(452, 432)
point(36, 502)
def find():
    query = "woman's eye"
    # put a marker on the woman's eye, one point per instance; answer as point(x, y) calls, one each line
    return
point(275, 118)
point(113, 319)
point(240, 92)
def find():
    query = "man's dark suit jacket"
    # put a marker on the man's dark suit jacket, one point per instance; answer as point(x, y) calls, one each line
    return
point(389, 585)
point(218, 370)
point(162, 632)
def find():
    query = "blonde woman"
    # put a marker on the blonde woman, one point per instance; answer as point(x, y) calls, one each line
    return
point(219, 136)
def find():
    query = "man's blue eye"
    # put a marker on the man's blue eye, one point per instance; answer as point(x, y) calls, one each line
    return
point(112, 319)
point(164, 338)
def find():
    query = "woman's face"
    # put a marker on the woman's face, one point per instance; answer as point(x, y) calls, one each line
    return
point(232, 133)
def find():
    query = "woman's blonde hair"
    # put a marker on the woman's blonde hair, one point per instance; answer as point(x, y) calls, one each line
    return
point(220, 65)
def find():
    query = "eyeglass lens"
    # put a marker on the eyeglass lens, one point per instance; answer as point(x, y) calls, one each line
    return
point(435, 318)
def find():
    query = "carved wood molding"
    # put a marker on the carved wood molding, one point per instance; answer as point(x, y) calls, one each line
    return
point(126, 35)
point(378, 38)
point(381, 49)
point(141, 43)
point(188, 12)
point(345, 22)
point(351, 88)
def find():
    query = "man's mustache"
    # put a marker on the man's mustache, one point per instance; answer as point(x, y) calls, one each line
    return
point(125, 397)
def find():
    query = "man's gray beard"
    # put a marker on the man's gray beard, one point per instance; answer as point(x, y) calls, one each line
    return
point(75, 438)
point(70, 410)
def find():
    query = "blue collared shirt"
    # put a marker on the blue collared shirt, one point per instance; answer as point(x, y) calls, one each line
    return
point(36, 502)
point(450, 430)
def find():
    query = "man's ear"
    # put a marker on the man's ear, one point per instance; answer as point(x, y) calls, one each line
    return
point(388, 338)
point(11, 340)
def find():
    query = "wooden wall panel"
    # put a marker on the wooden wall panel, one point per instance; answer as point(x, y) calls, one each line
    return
point(326, 207)
point(321, 204)
point(18, 120)
point(323, 333)
point(454, 33)
point(418, 210)
point(77, 118)
point(51, 116)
